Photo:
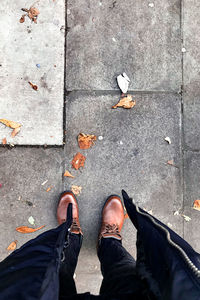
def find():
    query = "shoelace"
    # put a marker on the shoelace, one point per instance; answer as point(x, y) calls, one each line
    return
point(111, 229)
point(75, 225)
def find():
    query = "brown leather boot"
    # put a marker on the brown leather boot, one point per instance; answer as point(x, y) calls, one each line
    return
point(65, 199)
point(112, 218)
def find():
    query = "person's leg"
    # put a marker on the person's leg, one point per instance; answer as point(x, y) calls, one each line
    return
point(72, 245)
point(68, 265)
point(117, 265)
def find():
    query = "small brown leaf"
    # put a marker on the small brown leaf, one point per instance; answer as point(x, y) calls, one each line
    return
point(126, 216)
point(10, 124)
point(12, 246)
point(76, 189)
point(125, 102)
point(4, 141)
point(26, 229)
point(196, 204)
point(85, 141)
point(33, 86)
point(49, 188)
point(78, 161)
point(15, 132)
point(33, 13)
point(68, 174)
point(22, 19)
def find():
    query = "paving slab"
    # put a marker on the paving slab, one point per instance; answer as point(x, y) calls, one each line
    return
point(192, 193)
point(130, 153)
point(106, 38)
point(22, 194)
point(191, 74)
point(32, 52)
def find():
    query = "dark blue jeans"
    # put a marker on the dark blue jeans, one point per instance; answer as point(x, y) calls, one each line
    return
point(117, 266)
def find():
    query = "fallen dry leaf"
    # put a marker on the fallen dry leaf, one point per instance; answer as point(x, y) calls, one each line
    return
point(12, 246)
point(68, 174)
point(22, 19)
point(126, 216)
point(10, 124)
point(125, 102)
point(34, 86)
point(49, 188)
point(76, 189)
point(78, 161)
point(85, 141)
point(4, 141)
point(196, 204)
point(15, 132)
point(26, 229)
point(32, 13)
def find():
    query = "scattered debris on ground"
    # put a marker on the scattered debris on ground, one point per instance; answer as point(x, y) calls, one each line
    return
point(171, 163)
point(32, 13)
point(14, 125)
point(4, 141)
point(49, 188)
point(76, 189)
point(78, 161)
point(12, 246)
point(31, 220)
point(176, 213)
point(34, 86)
point(15, 132)
point(68, 174)
point(186, 218)
point(125, 102)
point(196, 205)
point(26, 229)
point(85, 141)
point(169, 225)
point(10, 124)
point(123, 82)
point(44, 182)
point(167, 139)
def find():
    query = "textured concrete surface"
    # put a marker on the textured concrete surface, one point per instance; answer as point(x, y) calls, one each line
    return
point(142, 38)
point(23, 45)
point(22, 194)
point(191, 74)
point(132, 155)
point(106, 38)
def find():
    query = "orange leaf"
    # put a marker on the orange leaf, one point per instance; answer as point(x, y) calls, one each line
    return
point(76, 189)
point(78, 161)
point(85, 141)
point(12, 246)
point(4, 141)
point(67, 174)
point(33, 86)
point(125, 102)
point(10, 124)
point(26, 229)
point(170, 162)
point(196, 204)
point(33, 13)
point(22, 19)
point(49, 188)
point(126, 216)
point(15, 132)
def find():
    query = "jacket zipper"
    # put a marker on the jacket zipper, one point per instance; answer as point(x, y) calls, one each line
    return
point(190, 264)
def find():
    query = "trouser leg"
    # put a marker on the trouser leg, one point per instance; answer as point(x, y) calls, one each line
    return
point(68, 265)
point(118, 268)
